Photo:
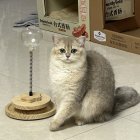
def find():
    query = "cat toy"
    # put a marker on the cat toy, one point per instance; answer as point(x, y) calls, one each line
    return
point(80, 31)
point(31, 105)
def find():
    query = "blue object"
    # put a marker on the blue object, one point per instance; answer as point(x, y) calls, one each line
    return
point(31, 20)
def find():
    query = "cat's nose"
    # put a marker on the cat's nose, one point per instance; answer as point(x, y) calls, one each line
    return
point(67, 55)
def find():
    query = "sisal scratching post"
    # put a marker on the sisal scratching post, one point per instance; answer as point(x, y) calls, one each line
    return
point(32, 105)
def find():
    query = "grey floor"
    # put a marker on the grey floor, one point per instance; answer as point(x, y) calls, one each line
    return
point(14, 81)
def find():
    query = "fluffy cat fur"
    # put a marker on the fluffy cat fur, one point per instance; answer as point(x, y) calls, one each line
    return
point(83, 85)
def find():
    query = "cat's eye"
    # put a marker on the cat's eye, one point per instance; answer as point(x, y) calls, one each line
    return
point(62, 50)
point(73, 50)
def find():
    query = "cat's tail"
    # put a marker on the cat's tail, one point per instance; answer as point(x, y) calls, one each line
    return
point(125, 97)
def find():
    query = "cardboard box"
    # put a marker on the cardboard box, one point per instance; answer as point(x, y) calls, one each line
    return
point(65, 17)
point(119, 9)
point(122, 34)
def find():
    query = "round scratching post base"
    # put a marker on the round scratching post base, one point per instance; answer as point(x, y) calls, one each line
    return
point(25, 107)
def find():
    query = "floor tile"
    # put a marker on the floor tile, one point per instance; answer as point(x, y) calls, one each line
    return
point(14, 129)
point(134, 117)
point(19, 6)
point(117, 130)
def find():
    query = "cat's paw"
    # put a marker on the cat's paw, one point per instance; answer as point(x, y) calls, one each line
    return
point(54, 125)
point(79, 122)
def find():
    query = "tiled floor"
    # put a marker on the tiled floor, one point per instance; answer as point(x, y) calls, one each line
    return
point(14, 80)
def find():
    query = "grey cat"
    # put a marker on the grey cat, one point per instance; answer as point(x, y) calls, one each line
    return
point(83, 84)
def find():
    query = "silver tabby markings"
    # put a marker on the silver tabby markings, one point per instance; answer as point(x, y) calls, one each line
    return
point(83, 85)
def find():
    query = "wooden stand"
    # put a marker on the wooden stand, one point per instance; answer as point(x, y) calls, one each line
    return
point(25, 107)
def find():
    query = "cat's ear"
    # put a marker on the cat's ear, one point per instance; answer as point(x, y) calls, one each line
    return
point(82, 40)
point(55, 39)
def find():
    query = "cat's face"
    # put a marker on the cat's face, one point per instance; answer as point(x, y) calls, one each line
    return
point(68, 50)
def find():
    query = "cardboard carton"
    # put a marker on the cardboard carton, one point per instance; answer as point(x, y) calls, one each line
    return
point(89, 17)
point(66, 17)
point(122, 34)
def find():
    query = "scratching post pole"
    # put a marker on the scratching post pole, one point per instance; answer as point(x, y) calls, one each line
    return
point(31, 105)
point(31, 73)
